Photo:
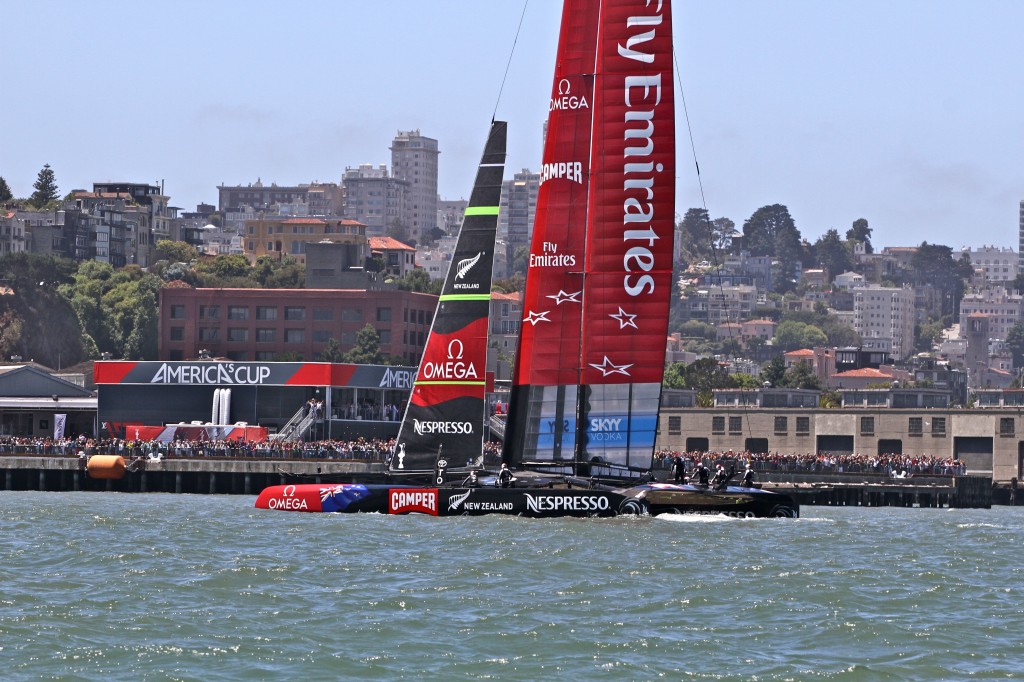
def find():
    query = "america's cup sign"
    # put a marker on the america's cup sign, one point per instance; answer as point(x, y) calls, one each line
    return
point(210, 373)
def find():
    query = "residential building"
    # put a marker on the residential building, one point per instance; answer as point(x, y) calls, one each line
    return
point(849, 280)
point(884, 318)
point(279, 236)
point(414, 160)
point(997, 263)
point(12, 233)
point(506, 314)
point(1003, 309)
point(238, 203)
point(450, 213)
point(147, 213)
point(517, 209)
point(399, 259)
point(374, 198)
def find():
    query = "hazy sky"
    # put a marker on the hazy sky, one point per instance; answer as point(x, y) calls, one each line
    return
point(907, 113)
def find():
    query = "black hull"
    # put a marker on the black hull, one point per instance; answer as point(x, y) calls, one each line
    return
point(537, 502)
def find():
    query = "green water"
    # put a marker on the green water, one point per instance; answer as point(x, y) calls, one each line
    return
point(181, 587)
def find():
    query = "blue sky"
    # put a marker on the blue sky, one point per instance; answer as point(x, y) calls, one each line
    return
point(906, 113)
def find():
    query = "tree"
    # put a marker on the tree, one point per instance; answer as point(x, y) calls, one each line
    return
point(801, 375)
point(700, 238)
point(38, 321)
point(332, 353)
point(5, 191)
point(832, 254)
point(761, 230)
point(860, 232)
point(929, 333)
point(46, 188)
point(774, 371)
point(791, 335)
point(176, 252)
point(417, 279)
point(366, 350)
point(1015, 342)
point(674, 376)
point(934, 265)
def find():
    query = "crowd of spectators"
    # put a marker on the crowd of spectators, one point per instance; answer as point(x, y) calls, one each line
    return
point(378, 450)
point(361, 448)
point(895, 465)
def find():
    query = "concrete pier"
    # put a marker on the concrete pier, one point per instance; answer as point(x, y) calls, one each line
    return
point(199, 476)
point(248, 477)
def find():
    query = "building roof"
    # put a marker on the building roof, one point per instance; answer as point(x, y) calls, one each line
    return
point(864, 373)
point(802, 353)
point(388, 243)
point(501, 296)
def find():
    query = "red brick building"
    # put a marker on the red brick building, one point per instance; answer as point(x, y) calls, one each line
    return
point(263, 324)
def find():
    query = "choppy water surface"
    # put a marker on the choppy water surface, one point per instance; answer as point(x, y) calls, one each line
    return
point(112, 586)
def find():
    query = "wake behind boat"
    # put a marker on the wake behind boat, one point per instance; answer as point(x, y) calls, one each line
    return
point(586, 387)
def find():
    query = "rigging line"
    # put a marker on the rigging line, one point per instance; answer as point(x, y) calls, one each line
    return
point(508, 65)
point(716, 265)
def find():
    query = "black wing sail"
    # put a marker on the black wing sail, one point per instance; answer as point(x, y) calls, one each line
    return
point(445, 415)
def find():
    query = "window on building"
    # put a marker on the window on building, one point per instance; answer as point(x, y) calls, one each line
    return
point(209, 333)
point(1006, 426)
point(321, 335)
point(781, 425)
point(803, 426)
point(209, 312)
point(238, 334)
point(265, 312)
point(735, 424)
point(237, 355)
point(265, 335)
point(294, 335)
point(294, 313)
point(383, 314)
point(351, 314)
point(915, 426)
point(718, 425)
point(177, 312)
point(323, 314)
point(385, 336)
point(238, 312)
point(177, 333)
point(938, 426)
point(867, 426)
point(265, 355)
point(675, 425)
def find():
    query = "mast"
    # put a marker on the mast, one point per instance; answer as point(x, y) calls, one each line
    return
point(445, 413)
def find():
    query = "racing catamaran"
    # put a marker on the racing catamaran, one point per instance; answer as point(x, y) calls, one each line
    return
point(583, 412)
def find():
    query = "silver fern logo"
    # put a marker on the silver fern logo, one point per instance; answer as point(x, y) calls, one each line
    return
point(455, 501)
point(466, 264)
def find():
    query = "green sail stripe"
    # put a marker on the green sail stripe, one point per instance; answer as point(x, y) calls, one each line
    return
point(466, 297)
point(481, 210)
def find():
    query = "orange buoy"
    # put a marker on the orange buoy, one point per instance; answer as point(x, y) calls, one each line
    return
point(106, 466)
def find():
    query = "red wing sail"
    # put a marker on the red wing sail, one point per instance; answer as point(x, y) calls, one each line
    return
point(595, 314)
point(446, 411)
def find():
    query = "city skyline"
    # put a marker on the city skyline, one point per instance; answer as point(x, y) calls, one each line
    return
point(902, 114)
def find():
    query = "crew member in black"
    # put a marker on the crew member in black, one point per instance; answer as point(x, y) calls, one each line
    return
point(471, 480)
point(678, 469)
point(748, 478)
point(720, 478)
point(702, 474)
point(504, 476)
